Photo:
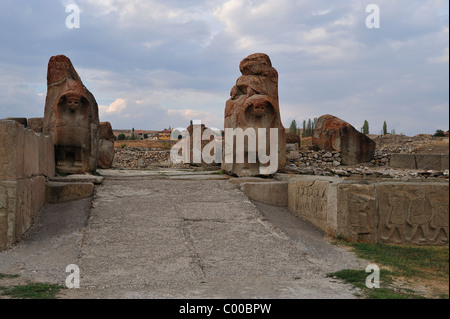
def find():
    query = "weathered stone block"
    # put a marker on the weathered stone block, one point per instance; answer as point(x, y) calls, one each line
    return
point(20, 120)
point(105, 153)
point(444, 162)
point(369, 211)
point(50, 158)
point(429, 161)
point(4, 211)
point(309, 199)
point(105, 131)
point(24, 208)
point(241, 180)
point(12, 150)
point(43, 156)
point(36, 124)
point(407, 161)
point(57, 192)
point(413, 213)
point(38, 192)
point(357, 212)
point(332, 133)
point(96, 180)
point(8, 190)
point(273, 193)
point(31, 154)
point(20, 201)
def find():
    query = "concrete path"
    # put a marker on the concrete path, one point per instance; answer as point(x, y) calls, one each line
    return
point(154, 237)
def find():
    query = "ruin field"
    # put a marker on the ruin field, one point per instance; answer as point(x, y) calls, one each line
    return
point(419, 144)
point(165, 145)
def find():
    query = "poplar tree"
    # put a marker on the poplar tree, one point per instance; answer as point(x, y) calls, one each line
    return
point(366, 127)
point(293, 127)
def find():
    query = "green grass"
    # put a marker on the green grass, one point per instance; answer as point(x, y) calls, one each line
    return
point(413, 264)
point(406, 260)
point(32, 291)
point(6, 276)
point(219, 172)
point(386, 291)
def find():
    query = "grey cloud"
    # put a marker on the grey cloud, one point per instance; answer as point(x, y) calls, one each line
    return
point(351, 71)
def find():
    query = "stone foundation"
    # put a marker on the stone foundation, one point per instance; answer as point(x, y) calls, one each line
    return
point(26, 159)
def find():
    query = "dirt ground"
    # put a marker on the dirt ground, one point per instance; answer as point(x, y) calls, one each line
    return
point(419, 144)
point(145, 144)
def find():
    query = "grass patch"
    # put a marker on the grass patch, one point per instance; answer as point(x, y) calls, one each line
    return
point(32, 291)
point(426, 266)
point(387, 289)
point(6, 276)
point(219, 172)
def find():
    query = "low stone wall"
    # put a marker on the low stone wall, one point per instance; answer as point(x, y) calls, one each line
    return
point(273, 193)
point(438, 162)
point(325, 159)
point(139, 158)
point(373, 211)
point(26, 159)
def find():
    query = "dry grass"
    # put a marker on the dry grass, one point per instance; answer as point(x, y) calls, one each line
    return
point(166, 145)
point(436, 146)
point(305, 142)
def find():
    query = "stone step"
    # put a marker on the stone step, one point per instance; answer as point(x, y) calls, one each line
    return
point(77, 178)
point(60, 192)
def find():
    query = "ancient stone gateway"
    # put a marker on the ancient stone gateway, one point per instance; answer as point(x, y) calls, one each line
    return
point(254, 104)
point(71, 118)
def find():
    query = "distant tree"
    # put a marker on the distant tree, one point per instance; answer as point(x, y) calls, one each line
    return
point(385, 128)
point(439, 133)
point(121, 137)
point(304, 129)
point(133, 137)
point(309, 128)
point(146, 136)
point(314, 124)
point(365, 128)
point(293, 127)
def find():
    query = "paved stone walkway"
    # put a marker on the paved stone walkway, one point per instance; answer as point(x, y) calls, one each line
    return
point(156, 237)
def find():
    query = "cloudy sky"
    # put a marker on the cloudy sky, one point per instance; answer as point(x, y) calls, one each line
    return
point(153, 64)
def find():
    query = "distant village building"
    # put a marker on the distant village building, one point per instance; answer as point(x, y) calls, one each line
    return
point(164, 134)
point(141, 134)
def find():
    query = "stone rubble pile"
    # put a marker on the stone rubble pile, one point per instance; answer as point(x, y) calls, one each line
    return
point(309, 158)
point(367, 172)
point(381, 158)
point(137, 158)
point(324, 163)
point(403, 149)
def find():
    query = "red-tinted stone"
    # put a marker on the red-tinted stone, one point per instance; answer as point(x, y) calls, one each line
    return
point(71, 118)
point(332, 133)
point(254, 104)
point(105, 131)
